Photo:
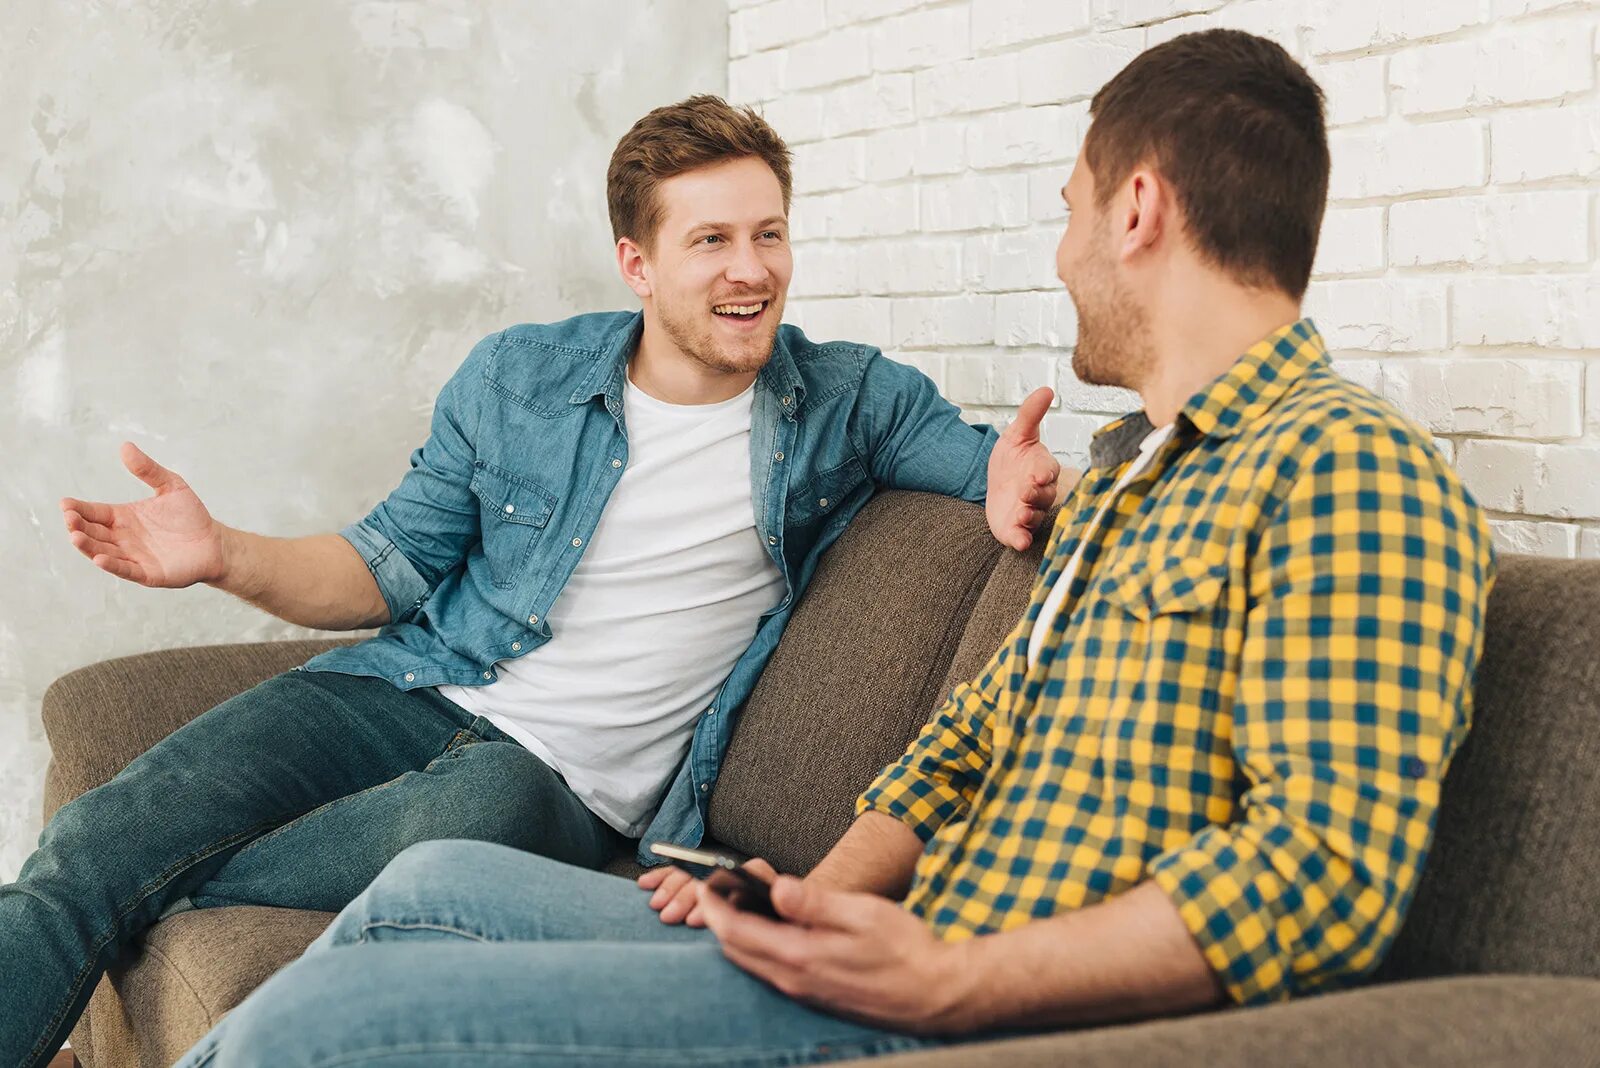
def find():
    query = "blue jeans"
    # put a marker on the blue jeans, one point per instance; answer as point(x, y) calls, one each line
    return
point(295, 793)
point(463, 953)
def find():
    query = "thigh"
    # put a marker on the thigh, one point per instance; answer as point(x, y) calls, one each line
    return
point(569, 1003)
point(483, 791)
point(488, 893)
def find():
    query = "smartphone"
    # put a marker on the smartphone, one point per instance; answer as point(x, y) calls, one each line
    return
point(725, 875)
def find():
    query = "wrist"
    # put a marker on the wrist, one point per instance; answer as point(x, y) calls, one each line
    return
point(964, 987)
point(229, 553)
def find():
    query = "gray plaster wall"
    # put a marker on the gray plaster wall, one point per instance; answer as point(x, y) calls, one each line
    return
point(255, 238)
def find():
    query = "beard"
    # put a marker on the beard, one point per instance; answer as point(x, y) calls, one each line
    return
point(693, 334)
point(1114, 345)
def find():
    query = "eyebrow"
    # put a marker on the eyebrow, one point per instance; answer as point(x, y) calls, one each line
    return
point(768, 221)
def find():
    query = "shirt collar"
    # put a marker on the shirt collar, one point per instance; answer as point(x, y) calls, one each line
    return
point(780, 374)
point(1234, 400)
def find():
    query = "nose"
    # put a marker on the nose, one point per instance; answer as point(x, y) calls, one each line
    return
point(746, 266)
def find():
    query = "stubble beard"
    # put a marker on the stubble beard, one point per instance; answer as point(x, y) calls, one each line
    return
point(1114, 345)
point(694, 339)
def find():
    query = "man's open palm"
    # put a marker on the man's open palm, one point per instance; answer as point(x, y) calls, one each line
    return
point(168, 540)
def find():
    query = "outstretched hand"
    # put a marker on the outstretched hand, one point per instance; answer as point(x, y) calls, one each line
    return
point(168, 540)
point(1025, 481)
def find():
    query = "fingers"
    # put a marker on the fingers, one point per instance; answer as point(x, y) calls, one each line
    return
point(146, 470)
point(98, 531)
point(761, 868)
point(652, 878)
point(123, 569)
point(675, 894)
point(1025, 427)
point(90, 510)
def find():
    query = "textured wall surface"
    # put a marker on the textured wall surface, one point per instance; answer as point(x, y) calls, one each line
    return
point(1457, 270)
point(255, 238)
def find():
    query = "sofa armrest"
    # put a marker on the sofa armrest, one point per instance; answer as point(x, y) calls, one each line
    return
point(100, 717)
point(1493, 1021)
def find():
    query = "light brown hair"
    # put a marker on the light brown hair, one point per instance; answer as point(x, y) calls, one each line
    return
point(696, 132)
point(1236, 127)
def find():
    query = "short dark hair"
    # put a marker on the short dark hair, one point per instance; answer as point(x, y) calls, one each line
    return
point(696, 132)
point(1236, 127)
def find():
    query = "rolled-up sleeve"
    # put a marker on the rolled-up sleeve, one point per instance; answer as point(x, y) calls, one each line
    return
point(911, 438)
point(425, 528)
point(1363, 632)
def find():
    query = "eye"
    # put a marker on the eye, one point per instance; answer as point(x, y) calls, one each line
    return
point(712, 237)
point(774, 234)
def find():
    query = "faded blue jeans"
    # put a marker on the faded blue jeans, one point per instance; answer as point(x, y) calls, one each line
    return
point(463, 953)
point(294, 793)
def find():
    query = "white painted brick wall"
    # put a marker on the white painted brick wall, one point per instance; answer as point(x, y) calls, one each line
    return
point(1459, 269)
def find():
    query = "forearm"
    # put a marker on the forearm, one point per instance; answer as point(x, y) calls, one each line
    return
point(1128, 957)
point(876, 856)
point(319, 581)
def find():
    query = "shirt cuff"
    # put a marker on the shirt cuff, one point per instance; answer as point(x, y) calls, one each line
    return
point(920, 804)
point(403, 589)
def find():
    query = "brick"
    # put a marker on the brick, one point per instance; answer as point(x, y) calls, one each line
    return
point(1530, 145)
point(1534, 539)
point(1555, 481)
point(797, 117)
point(970, 85)
point(1386, 161)
point(928, 148)
point(1447, 449)
point(1075, 69)
point(1140, 12)
point(1044, 195)
point(828, 165)
point(825, 271)
point(1272, 19)
point(1508, 9)
point(915, 266)
point(974, 202)
point(756, 77)
point(1011, 260)
point(1589, 544)
point(1591, 393)
point(1522, 228)
point(1356, 89)
point(921, 39)
point(1538, 62)
point(778, 23)
point(1345, 25)
point(1047, 319)
point(1501, 398)
point(861, 319)
point(994, 378)
point(874, 211)
point(1068, 435)
point(998, 24)
point(839, 56)
point(842, 12)
point(1552, 312)
point(1162, 32)
point(1379, 314)
point(1351, 241)
point(883, 100)
point(1368, 374)
point(1005, 139)
point(808, 217)
point(1104, 400)
point(933, 321)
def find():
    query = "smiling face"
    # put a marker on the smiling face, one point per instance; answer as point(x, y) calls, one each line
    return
point(1114, 346)
point(718, 274)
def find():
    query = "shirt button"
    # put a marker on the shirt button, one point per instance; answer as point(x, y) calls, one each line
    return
point(616, 463)
point(823, 502)
point(712, 712)
point(771, 540)
point(704, 787)
point(516, 646)
point(487, 675)
point(777, 456)
point(411, 676)
point(511, 508)
point(534, 620)
point(576, 542)
point(786, 400)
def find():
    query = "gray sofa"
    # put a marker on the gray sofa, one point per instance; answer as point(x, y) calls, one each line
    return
point(1498, 962)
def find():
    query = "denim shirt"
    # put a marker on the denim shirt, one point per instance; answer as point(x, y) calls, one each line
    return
point(527, 440)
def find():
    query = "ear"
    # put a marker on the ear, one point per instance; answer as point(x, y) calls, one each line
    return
point(1143, 219)
point(633, 268)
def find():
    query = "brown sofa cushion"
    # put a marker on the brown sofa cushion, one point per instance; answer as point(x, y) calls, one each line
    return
point(1510, 884)
point(861, 665)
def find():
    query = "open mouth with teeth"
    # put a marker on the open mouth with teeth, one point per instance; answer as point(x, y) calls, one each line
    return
point(741, 314)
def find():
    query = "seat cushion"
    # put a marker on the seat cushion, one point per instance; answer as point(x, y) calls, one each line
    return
point(861, 665)
point(1510, 883)
point(195, 967)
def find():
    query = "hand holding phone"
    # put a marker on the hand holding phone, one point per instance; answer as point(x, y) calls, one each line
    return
point(743, 887)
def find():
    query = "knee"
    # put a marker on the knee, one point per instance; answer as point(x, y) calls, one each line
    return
point(288, 1018)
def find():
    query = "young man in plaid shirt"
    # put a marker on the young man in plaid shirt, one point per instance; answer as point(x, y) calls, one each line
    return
point(1203, 767)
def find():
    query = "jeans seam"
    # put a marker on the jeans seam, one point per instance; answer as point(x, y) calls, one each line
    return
point(422, 925)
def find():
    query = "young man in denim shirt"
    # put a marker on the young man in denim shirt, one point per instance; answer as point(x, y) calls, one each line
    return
point(578, 582)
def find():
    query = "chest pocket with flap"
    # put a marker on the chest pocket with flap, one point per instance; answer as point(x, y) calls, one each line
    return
point(514, 512)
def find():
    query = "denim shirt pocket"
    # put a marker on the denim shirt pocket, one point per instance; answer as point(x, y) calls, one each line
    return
point(515, 511)
point(824, 492)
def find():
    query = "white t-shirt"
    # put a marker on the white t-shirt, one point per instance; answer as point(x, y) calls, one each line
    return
point(1058, 592)
point(667, 595)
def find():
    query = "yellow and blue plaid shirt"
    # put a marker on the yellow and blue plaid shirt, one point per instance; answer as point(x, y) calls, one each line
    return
point(1250, 694)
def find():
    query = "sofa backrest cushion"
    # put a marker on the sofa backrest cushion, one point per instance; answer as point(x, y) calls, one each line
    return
point(1513, 878)
point(860, 666)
